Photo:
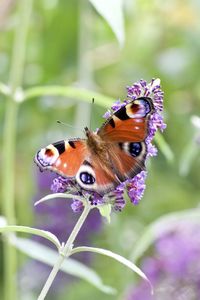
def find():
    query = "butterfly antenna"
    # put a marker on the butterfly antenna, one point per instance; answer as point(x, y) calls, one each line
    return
point(68, 125)
point(91, 114)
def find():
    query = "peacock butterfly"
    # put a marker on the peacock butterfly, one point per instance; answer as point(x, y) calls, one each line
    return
point(105, 158)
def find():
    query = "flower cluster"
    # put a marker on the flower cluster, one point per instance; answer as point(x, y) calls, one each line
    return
point(174, 267)
point(135, 186)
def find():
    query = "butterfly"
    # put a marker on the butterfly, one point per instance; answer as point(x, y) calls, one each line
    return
point(104, 159)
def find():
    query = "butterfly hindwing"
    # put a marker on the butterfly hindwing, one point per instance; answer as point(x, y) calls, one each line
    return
point(128, 159)
point(93, 175)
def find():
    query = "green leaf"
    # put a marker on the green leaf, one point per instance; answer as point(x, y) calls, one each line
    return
point(25, 229)
point(105, 211)
point(117, 257)
point(70, 266)
point(58, 195)
point(161, 226)
point(70, 92)
point(112, 12)
point(164, 147)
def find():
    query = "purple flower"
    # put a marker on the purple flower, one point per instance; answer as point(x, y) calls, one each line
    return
point(134, 186)
point(174, 267)
point(77, 206)
point(117, 105)
point(116, 197)
point(61, 185)
point(107, 114)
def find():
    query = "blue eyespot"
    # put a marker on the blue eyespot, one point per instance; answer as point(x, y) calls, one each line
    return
point(87, 178)
point(142, 107)
point(147, 106)
point(135, 149)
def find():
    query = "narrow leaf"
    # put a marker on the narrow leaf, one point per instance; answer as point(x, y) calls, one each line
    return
point(70, 266)
point(25, 229)
point(117, 257)
point(58, 195)
point(112, 12)
point(70, 92)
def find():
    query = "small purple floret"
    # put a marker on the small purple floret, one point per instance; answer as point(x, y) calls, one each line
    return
point(136, 187)
point(117, 105)
point(61, 185)
point(77, 206)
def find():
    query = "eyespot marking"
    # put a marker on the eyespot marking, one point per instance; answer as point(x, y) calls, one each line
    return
point(46, 157)
point(139, 108)
point(135, 149)
point(87, 178)
point(48, 152)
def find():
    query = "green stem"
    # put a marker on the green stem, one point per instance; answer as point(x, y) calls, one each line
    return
point(69, 91)
point(65, 252)
point(8, 148)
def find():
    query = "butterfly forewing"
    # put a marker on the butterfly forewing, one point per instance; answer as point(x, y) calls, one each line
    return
point(129, 123)
point(63, 157)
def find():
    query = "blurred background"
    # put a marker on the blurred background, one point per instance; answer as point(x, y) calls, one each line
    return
point(55, 56)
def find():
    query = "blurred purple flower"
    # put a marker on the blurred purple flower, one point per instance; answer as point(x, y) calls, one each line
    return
point(174, 267)
point(135, 186)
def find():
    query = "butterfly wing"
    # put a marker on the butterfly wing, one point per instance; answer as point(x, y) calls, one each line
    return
point(74, 159)
point(127, 159)
point(126, 131)
point(129, 123)
point(63, 157)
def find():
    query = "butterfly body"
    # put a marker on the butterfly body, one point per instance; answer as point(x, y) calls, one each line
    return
point(107, 157)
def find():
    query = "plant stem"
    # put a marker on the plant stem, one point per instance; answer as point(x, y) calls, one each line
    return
point(76, 93)
point(65, 252)
point(8, 147)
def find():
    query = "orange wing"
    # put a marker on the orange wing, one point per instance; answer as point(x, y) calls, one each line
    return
point(129, 123)
point(73, 159)
point(127, 159)
point(63, 157)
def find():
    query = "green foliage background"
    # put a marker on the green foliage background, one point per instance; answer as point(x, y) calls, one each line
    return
point(70, 45)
